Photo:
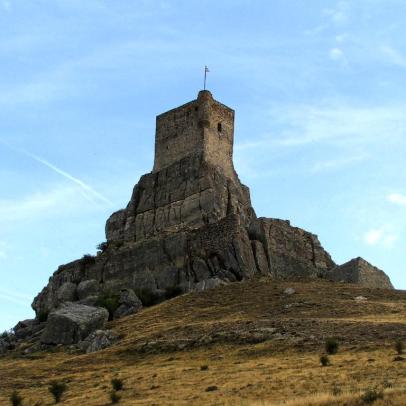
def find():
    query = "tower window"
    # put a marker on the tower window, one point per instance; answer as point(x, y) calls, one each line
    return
point(219, 127)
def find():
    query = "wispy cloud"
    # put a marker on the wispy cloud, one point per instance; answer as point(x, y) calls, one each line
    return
point(333, 164)
point(380, 236)
point(393, 56)
point(88, 192)
point(336, 54)
point(15, 297)
point(397, 198)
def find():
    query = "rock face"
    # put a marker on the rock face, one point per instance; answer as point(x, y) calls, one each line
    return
point(189, 224)
point(361, 272)
point(72, 323)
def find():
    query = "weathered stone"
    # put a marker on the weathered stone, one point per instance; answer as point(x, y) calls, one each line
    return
point(129, 304)
point(98, 340)
point(361, 272)
point(190, 225)
point(88, 288)
point(72, 323)
point(289, 291)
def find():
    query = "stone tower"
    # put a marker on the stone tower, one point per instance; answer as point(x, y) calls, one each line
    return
point(201, 126)
point(189, 225)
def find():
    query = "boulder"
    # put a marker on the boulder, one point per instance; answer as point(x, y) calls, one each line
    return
point(129, 303)
point(88, 288)
point(360, 272)
point(67, 292)
point(98, 340)
point(73, 322)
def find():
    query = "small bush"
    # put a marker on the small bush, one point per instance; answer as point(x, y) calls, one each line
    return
point(148, 297)
point(173, 291)
point(57, 389)
point(102, 246)
point(114, 397)
point(42, 315)
point(399, 346)
point(331, 346)
point(371, 395)
point(88, 259)
point(110, 301)
point(324, 360)
point(117, 384)
point(211, 388)
point(16, 399)
point(4, 335)
point(204, 367)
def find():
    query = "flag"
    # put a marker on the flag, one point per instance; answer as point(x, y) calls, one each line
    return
point(206, 69)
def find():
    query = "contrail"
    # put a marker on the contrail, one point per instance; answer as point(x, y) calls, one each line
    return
point(14, 297)
point(85, 187)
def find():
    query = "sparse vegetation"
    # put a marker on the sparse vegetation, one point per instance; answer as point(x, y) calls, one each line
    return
point(16, 399)
point(4, 335)
point(371, 396)
point(331, 346)
point(324, 360)
point(117, 384)
point(88, 259)
point(109, 301)
point(173, 291)
point(148, 297)
point(204, 368)
point(57, 389)
point(399, 347)
point(42, 315)
point(102, 246)
point(114, 397)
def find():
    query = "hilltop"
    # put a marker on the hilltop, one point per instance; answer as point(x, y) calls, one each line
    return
point(257, 342)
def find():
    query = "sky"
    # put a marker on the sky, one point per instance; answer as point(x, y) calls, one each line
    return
point(318, 87)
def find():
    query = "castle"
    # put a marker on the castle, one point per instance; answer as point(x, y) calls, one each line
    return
point(190, 225)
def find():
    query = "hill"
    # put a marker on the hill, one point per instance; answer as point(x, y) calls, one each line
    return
point(251, 342)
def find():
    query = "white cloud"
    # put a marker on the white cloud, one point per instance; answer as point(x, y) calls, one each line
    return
point(397, 198)
point(393, 56)
point(379, 236)
point(336, 54)
point(332, 164)
point(339, 14)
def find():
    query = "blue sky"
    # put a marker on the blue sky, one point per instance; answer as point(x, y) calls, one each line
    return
point(319, 93)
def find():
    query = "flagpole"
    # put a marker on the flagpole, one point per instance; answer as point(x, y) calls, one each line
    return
point(205, 74)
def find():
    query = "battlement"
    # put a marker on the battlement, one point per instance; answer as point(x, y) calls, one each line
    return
point(201, 126)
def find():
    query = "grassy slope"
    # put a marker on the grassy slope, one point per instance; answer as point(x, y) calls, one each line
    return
point(261, 347)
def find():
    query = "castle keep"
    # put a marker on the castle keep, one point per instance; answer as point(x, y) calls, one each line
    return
point(189, 225)
point(203, 125)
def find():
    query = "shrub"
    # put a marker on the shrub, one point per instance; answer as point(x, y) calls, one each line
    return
point(114, 397)
point(331, 346)
point(4, 335)
point(324, 360)
point(110, 301)
point(173, 291)
point(204, 367)
point(57, 389)
point(399, 346)
point(148, 297)
point(42, 315)
point(88, 259)
point(102, 246)
point(117, 384)
point(16, 399)
point(371, 395)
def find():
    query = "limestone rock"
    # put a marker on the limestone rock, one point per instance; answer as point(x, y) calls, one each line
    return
point(98, 340)
point(88, 288)
point(129, 303)
point(72, 323)
point(362, 273)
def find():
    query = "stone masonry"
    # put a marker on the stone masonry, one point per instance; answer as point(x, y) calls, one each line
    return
point(190, 225)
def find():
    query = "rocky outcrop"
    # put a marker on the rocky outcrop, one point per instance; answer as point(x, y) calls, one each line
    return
point(189, 226)
point(361, 272)
point(72, 323)
point(98, 340)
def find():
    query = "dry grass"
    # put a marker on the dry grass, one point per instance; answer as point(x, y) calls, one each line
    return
point(164, 347)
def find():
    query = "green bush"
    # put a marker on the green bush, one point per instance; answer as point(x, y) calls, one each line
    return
point(42, 315)
point(331, 346)
point(117, 384)
point(102, 246)
point(173, 291)
point(114, 397)
point(16, 399)
point(88, 259)
point(204, 367)
point(371, 395)
point(399, 346)
point(109, 301)
point(57, 389)
point(324, 360)
point(148, 297)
